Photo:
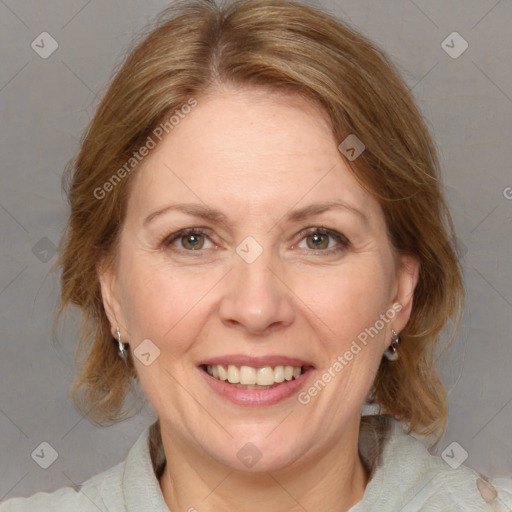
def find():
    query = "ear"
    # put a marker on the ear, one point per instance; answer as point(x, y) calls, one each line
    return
point(406, 278)
point(111, 298)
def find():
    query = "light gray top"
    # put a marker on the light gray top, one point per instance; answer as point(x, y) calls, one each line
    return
point(408, 479)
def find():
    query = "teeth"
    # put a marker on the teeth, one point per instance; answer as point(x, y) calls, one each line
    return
point(249, 376)
point(266, 376)
point(223, 374)
point(233, 374)
point(279, 374)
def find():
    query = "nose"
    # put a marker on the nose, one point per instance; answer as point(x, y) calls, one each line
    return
point(256, 299)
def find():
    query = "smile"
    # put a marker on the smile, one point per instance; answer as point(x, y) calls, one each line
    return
point(256, 386)
point(249, 377)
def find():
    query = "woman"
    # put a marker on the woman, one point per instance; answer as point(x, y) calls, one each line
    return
point(257, 236)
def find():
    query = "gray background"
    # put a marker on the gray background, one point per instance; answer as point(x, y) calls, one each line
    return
point(46, 103)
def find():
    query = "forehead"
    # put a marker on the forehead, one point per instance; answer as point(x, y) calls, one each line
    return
point(251, 149)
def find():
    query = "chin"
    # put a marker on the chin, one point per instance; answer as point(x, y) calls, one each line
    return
point(256, 453)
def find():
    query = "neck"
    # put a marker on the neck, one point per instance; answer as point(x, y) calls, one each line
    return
point(337, 479)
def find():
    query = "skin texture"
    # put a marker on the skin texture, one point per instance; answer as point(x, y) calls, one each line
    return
point(255, 156)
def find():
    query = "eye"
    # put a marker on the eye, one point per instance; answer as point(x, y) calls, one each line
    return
point(324, 240)
point(318, 239)
point(192, 239)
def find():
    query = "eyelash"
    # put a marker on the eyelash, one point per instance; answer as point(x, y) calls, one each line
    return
point(343, 242)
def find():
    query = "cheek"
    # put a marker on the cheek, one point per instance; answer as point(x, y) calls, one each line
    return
point(152, 299)
point(163, 303)
point(349, 299)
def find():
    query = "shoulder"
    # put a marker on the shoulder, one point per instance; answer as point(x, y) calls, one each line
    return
point(131, 485)
point(104, 492)
point(437, 486)
point(88, 497)
point(409, 478)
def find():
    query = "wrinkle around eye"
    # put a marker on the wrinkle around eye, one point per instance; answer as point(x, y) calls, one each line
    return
point(174, 241)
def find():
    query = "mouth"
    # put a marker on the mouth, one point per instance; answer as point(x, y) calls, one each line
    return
point(255, 377)
point(256, 381)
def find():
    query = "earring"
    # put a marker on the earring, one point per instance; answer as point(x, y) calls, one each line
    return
point(122, 346)
point(392, 351)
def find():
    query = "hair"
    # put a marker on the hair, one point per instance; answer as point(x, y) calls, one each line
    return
point(197, 47)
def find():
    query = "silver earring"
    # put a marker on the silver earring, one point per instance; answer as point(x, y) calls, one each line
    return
point(122, 346)
point(392, 352)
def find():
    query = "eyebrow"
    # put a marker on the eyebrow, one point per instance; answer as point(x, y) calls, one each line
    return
point(316, 209)
point(196, 210)
point(213, 215)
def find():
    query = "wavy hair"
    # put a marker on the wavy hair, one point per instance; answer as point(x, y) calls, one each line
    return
point(197, 47)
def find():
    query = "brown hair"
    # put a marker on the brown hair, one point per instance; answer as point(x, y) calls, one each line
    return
point(284, 46)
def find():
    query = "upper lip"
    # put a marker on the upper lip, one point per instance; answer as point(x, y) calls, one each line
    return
point(256, 362)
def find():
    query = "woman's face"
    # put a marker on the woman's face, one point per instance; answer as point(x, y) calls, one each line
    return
point(286, 263)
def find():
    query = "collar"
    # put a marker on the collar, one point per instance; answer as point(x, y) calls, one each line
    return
point(406, 479)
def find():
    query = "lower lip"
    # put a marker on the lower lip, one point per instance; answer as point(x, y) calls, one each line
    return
point(256, 397)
